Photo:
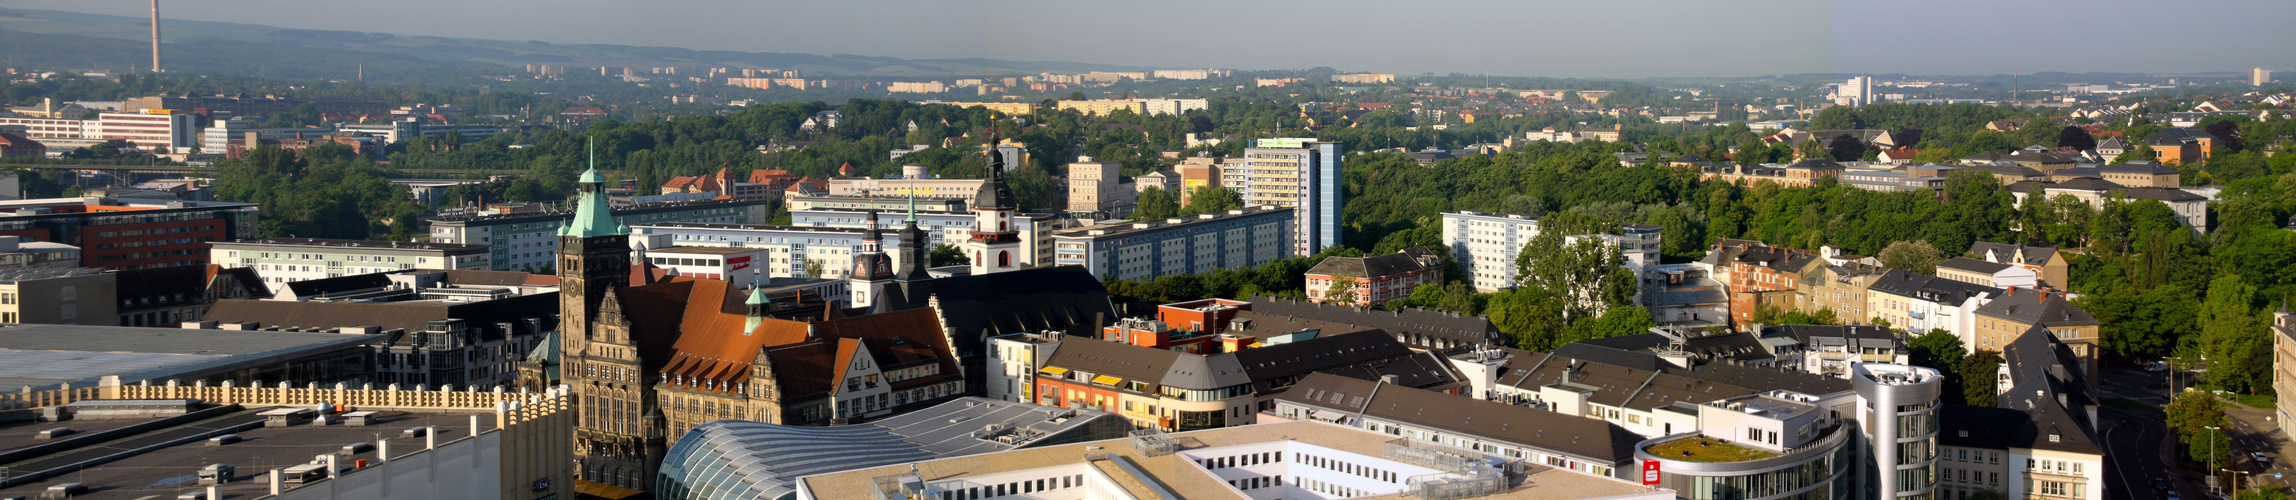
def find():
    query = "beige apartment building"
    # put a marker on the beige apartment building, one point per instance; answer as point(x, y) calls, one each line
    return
point(1092, 187)
point(58, 296)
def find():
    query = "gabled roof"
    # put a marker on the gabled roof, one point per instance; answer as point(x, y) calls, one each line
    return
point(2148, 168)
point(2047, 384)
point(1972, 265)
point(410, 316)
point(1929, 288)
point(1459, 328)
point(2037, 307)
point(1375, 266)
point(976, 307)
point(2009, 254)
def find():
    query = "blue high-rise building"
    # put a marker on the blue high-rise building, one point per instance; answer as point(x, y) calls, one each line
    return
point(1301, 173)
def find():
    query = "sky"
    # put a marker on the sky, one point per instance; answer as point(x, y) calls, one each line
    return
point(1582, 39)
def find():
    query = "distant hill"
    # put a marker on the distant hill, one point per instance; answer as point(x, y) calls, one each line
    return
point(212, 46)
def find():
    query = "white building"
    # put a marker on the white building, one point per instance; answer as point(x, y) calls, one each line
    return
point(529, 241)
point(1858, 91)
point(1296, 173)
point(791, 248)
point(1920, 303)
point(1485, 245)
point(287, 260)
point(742, 266)
point(144, 130)
point(945, 227)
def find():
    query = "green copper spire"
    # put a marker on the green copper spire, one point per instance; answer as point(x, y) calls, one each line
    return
point(592, 218)
point(912, 199)
point(757, 296)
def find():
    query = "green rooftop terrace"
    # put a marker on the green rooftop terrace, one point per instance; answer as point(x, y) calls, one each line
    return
point(1706, 449)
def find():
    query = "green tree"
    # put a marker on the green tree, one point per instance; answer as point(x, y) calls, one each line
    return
point(1212, 199)
point(1343, 291)
point(813, 268)
point(1977, 373)
point(2076, 138)
point(947, 255)
point(1941, 350)
point(1155, 204)
point(1911, 256)
point(2239, 346)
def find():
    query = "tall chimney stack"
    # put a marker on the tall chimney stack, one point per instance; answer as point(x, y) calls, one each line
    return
point(155, 36)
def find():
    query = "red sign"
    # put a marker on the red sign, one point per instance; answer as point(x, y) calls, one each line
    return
point(737, 260)
point(1650, 473)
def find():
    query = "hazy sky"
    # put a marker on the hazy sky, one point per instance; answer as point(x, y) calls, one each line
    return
point(1598, 38)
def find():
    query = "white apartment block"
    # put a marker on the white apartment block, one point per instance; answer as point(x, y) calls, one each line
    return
point(287, 260)
point(790, 248)
point(1296, 173)
point(529, 241)
point(1485, 245)
point(145, 130)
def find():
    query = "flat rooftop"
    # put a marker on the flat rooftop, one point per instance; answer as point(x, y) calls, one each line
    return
point(38, 355)
point(374, 244)
point(1699, 448)
point(1127, 227)
point(704, 250)
point(1176, 472)
point(167, 472)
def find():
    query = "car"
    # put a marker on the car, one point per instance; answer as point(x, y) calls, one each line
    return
point(2171, 495)
point(2260, 458)
point(2160, 483)
point(2157, 366)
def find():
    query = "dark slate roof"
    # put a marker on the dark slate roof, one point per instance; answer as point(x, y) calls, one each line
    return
point(322, 286)
point(1123, 360)
point(1273, 367)
point(1982, 427)
point(2031, 254)
point(2162, 194)
point(161, 286)
point(1586, 438)
point(976, 307)
point(1929, 288)
point(2046, 383)
point(1458, 328)
point(2030, 306)
point(1972, 265)
point(1733, 346)
point(1814, 335)
point(1816, 164)
point(411, 316)
point(1263, 325)
point(1781, 259)
point(1268, 369)
point(2020, 171)
point(2077, 172)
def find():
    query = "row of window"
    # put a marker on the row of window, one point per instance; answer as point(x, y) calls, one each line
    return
point(1014, 488)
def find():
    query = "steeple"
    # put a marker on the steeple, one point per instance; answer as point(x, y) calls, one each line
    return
point(592, 217)
point(757, 304)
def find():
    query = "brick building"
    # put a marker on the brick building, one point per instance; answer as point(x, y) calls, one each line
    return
point(1378, 279)
point(124, 233)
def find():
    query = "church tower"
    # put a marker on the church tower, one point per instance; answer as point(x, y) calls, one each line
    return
point(872, 269)
point(613, 444)
point(913, 283)
point(593, 259)
point(995, 244)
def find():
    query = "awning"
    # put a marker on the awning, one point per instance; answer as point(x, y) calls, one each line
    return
point(1055, 370)
point(1106, 380)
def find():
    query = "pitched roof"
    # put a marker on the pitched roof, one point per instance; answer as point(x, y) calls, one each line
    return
point(1585, 438)
point(1458, 328)
point(161, 286)
point(1929, 288)
point(975, 307)
point(2149, 168)
point(2009, 253)
point(1368, 267)
point(323, 286)
point(2039, 307)
point(2046, 383)
point(1972, 265)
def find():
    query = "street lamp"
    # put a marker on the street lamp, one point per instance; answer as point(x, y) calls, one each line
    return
point(2236, 483)
point(2212, 455)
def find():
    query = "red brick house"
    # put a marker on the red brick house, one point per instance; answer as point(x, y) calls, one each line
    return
point(1379, 279)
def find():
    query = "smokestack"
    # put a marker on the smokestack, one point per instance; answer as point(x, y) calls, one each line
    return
point(155, 36)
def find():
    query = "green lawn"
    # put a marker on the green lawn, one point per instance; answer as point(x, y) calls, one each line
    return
point(1704, 449)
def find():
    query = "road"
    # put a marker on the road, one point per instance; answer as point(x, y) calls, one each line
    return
point(2138, 447)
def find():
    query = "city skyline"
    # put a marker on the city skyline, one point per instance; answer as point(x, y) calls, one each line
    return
point(1675, 39)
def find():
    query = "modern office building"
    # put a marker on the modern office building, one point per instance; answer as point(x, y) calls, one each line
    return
point(1240, 238)
point(1878, 443)
point(741, 460)
point(125, 233)
point(134, 354)
point(1302, 174)
point(1571, 442)
point(144, 130)
point(882, 203)
point(245, 105)
point(527, 241)
point(1294, 460)
point(945, 227)
point(788, 251)
point(21, 251)
point(914, 179)
point(286, 260)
